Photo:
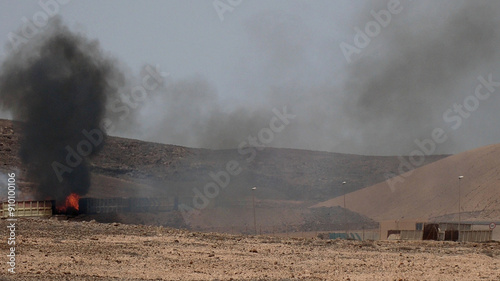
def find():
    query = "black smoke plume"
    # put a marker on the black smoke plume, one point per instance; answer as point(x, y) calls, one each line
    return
point(57, 85)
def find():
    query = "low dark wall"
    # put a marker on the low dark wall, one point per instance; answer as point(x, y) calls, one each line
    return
point(121, 205)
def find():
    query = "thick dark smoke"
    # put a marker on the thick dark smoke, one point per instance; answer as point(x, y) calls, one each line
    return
point(57, 84)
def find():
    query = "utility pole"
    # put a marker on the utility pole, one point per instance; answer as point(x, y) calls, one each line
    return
point(253, 203)
point(345, 213)
point(459, 209)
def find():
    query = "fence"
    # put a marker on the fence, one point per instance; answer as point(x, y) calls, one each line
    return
point(120, 205)
point(412, 234)
point(366, 235)
point(475, 235)
point(28, 209)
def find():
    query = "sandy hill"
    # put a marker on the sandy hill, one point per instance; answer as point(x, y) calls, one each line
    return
point(431, 192)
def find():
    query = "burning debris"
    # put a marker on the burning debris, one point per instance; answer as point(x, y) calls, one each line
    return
point(71, 204)
point(57, 85)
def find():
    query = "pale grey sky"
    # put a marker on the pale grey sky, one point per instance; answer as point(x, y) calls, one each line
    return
point(269, 54)
point(184, 36)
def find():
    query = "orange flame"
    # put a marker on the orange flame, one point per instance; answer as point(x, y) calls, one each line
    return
point(71, 202)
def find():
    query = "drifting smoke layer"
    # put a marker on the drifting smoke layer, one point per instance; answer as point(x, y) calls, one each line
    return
point(395, 91)
point(57, 85)
point(424, 61)
point(190, 111)
point(186, 112)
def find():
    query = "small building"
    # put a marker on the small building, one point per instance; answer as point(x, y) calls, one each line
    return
point(393, 229)
point(469, 232)
point(441, 231)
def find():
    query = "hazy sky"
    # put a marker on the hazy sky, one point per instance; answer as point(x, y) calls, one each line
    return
point(184, 37)
point(226, 75)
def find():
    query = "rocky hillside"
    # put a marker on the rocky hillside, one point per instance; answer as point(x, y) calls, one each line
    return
point(294, 178)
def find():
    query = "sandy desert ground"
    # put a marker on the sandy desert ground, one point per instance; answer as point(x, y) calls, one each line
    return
point(49, 249)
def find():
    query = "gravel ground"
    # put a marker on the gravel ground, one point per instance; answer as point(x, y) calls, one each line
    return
point(49, 249)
